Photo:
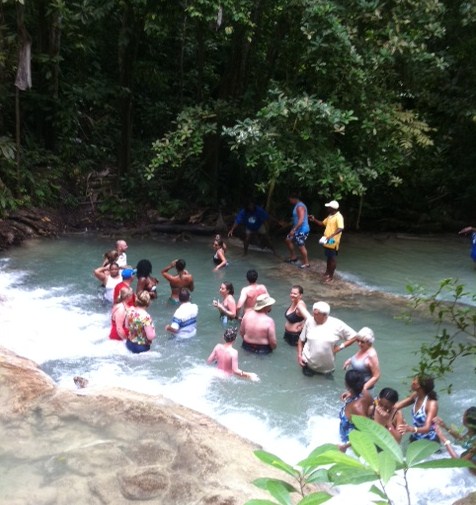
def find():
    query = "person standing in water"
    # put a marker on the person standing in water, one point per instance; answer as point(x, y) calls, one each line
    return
point(299, 232)
point(334, 224)
point(424, 401)
point(182, 279)
point(257, 327)
point(140, 325)
point(227, 358)
point(249, 293)
point(295, 315)
point(227, 307)
point(219, 257)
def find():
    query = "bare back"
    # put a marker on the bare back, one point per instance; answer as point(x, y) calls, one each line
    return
point(248, 296)
point(226, 358)
point(179, 281)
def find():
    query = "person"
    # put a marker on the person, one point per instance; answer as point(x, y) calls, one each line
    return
point(466, 440)
point(470, 230)
point(356, 402)
point(140, 325)
point(318, 342)
point(257, 327)
point(145, 281)
point(295, 315)
point(121, 248)
point(226, 357)
point(384, 412)
point(366, 358)
point(334, 226)
point(219, 256)
point(110, 277)
point(119, 329)
point(110, 257)
point(253, 218)
point(217, 238)
point(128, 276)
point(182, 279)
point(249, 293)
point(184, 321)
point(226, 308)
point(424, 401)
point(299, 232)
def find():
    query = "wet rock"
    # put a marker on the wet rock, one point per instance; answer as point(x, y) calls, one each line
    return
point(467, 500)
point(143, 483)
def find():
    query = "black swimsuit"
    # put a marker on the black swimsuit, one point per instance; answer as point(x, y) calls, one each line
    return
point(293, 317)
point(292, 337)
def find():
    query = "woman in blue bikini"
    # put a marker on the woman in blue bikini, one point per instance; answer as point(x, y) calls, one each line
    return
point(425, 408)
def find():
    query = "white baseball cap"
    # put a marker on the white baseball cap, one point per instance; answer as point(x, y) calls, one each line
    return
point(333, 204)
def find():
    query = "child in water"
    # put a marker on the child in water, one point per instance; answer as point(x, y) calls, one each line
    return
point(227, 358)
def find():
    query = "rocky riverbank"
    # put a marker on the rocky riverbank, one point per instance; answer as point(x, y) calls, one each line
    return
point(113, 447)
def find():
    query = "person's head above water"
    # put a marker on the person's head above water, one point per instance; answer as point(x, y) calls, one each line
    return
point(230, 334)
point(184, 295)
point(180, 265)
point(252, 276)
point(144, 268)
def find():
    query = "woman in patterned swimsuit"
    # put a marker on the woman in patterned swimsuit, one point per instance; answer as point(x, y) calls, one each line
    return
point(425, 408)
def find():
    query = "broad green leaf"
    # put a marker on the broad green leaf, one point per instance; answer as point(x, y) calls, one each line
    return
point(318, 475)
point(420, 450)
point(264, 483)
point(378, 492)
point(387, 466)
point(445, 463)
point(317, 452)
point(315, 498)
point(364, 447)
point(380, 436)
point(343, 474)
point(279, 491)
point(332, 457)
point(272, 460)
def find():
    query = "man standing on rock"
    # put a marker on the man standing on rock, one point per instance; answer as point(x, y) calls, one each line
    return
point(182, 279)
point(299, 232)
point(318, 342)
point(334, 224)
point(250, 293)
point(257, 327)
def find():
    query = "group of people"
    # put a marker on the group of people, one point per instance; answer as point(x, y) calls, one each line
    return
point(317, 336)
point(253, 219)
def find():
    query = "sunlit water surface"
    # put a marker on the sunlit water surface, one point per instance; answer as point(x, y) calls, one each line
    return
point(51, 301)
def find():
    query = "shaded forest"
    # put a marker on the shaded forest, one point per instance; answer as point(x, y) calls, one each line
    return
point(140, 105)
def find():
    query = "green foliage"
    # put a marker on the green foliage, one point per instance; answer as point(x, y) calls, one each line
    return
point(455, 326)
point(379, 458)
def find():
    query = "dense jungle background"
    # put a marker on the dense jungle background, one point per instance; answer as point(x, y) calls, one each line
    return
point(130, 107)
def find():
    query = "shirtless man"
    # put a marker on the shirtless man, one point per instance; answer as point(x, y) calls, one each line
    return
point(182, 279)
point(257, 328)
point(249, 293)
point(227, 358)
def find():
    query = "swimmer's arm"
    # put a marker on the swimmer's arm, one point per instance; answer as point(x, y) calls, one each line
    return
point(171, 329)
point(302, 311)
point(212, 356)
point(150, 332)
point(409, 400)
point(375, 370)
point(100, 273)
point(273, 343)
point(120, 324)
point(222, 258)
point(241, 301)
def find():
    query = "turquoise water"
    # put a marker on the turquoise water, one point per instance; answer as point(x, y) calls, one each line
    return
point(50, 284)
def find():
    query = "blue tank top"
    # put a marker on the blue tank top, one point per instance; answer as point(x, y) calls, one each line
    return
point(304, 228)
point(346, 426)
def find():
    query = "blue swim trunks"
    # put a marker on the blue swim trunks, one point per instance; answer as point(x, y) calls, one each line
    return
point(299, 238)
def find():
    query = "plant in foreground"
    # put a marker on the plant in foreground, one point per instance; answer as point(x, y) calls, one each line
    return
point(379, 459)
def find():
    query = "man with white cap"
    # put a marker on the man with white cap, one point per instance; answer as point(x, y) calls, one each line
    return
point(257, 327)
point(319, 340)
point(334, 224)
